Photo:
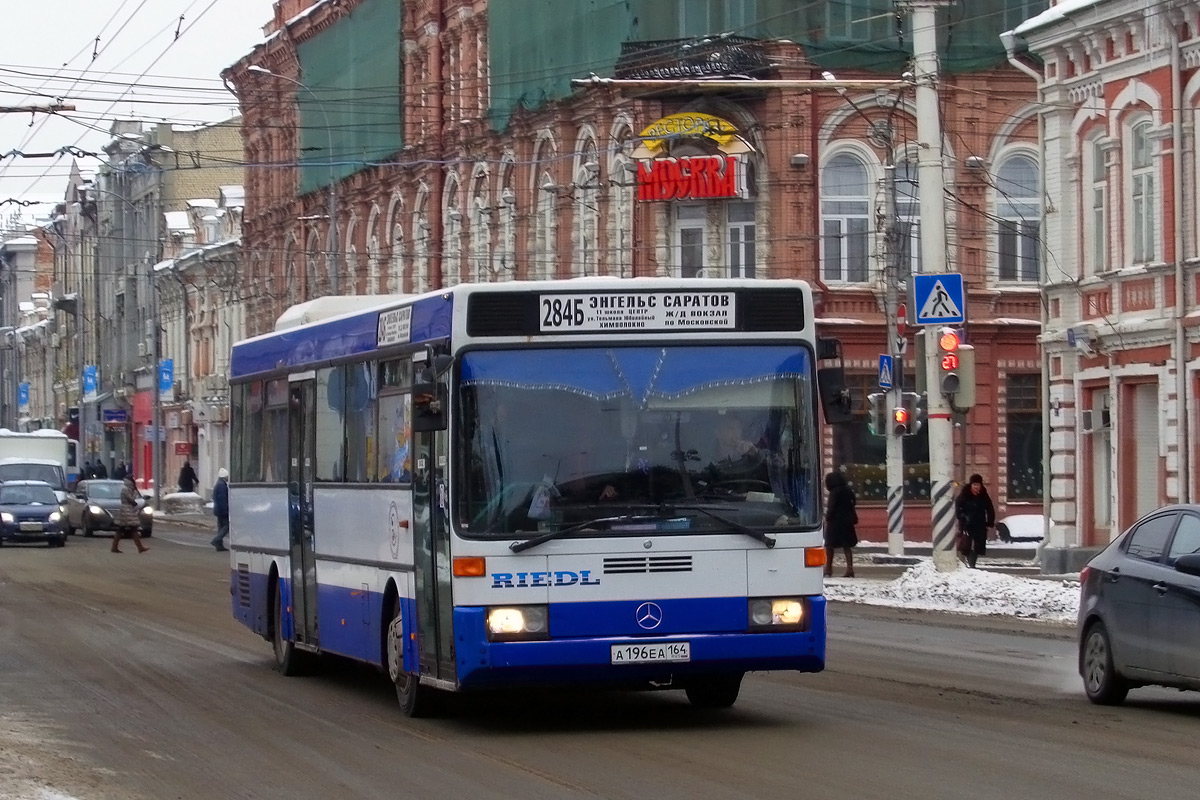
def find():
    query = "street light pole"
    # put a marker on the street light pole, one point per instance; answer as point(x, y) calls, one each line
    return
point(335, 249)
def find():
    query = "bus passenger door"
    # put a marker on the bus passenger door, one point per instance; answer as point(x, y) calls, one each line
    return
point(301, 465)
point(431, 539)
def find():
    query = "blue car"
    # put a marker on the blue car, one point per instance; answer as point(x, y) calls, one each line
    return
point(30, 512)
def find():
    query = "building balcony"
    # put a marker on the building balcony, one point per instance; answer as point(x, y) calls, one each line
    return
point(671, 59)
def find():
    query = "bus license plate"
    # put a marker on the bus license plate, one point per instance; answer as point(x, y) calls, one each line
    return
point(651, 653)
point(31, 526)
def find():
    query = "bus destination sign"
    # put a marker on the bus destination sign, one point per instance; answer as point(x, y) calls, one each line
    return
point(394, 327)
point(613, 312)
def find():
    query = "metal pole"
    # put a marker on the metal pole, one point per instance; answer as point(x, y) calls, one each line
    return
point(891, 301)
point(932, 195)
point(156, 435)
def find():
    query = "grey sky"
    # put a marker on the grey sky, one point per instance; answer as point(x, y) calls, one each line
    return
point(48, 50)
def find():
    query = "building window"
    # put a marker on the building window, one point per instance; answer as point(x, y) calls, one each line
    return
point(1018, 215)
point(620, 238)
point(1144, 196)
point(862, 456)
point(544, 255)
point(1096, 221)
point(845, 220)
point(908, 218)
point(1024, 421)
point(693, 18)
point(689, 239)
point(506, 253)
point(740, 232)
point(860, 20)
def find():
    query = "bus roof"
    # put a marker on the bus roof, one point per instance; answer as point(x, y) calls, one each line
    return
point(333, 329)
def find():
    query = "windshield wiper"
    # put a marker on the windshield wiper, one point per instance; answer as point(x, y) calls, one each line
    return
point(518, 547)
point(753, 533)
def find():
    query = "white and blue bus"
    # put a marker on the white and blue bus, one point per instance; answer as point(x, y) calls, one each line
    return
point(589, 481)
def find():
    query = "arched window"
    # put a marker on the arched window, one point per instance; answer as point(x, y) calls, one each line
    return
point(908, 218)
point(481, 230)
point(620, 208)
point(372, 232)
point(1018, 214)
point(290, 277)
point(845, 219)
point(1144, 200)
point(506, 250)
point(545, 222)
point(348, 255)
point(452, 226)
point(311, 256)
point(420, 237)
point(393, 281)
point(585, 255)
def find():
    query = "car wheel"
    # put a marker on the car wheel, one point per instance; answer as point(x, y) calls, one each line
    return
point(1002, 532)
point(718, 691)
point(415, 700)
point(1103, 685)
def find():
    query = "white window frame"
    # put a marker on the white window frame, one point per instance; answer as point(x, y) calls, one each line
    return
point(846, 271)
point(908, 214)
point(741, 239)
point(1142, 193)
point(1095, 200)
point(1023, 212)
point(690, 217)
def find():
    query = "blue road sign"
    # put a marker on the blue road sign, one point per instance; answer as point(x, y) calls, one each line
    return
point(940, 298)
point(23, 396)
point(166, 378)
point(91, 382)
point(885, 372)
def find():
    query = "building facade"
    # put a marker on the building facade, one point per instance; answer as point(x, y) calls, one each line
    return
point(1120, 89)
point(483, 163)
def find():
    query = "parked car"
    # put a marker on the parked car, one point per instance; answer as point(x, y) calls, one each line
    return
point(95, 504)
point(30, 512)
point(1139, 611)
point(1022, 528)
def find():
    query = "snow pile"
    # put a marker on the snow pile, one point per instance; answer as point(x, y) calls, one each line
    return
point(964, 591)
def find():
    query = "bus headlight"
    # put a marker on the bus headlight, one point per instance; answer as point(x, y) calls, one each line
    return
point(767, 613)
point(7, 518)
point(518, 623)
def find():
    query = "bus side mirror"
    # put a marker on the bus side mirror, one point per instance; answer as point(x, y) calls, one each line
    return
point(429, 407)
point(836, 401)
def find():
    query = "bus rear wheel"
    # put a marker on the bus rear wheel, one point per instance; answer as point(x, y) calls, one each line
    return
point(716, 691)
point(415, 700)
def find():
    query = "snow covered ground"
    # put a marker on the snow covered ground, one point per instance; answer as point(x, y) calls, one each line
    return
point(964, 591)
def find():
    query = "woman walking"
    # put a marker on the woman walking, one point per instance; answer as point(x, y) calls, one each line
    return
point(127, 518)
point(975, 514)
point(840, 519)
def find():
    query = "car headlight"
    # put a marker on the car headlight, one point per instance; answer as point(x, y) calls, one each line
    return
point(7, 518)
point(55, 516)
point(778, 612)
point(515, 623)
point(147, 510)
point(96, 510)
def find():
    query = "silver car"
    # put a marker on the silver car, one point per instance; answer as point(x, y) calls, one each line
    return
point(1139, 612)
point(95, 504)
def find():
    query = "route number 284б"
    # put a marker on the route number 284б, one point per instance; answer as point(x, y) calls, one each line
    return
point(561, 312)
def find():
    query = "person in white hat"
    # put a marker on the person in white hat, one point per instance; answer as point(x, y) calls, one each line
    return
point(221, 509)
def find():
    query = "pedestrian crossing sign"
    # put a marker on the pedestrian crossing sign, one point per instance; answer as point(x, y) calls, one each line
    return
point(885, 372)
point(940, 298)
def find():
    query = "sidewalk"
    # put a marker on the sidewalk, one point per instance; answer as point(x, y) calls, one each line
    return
point(203, 520)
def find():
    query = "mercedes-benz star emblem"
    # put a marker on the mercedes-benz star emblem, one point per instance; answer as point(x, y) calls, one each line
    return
point(648, 615)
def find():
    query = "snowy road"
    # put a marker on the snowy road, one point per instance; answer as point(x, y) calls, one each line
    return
point(124, 678)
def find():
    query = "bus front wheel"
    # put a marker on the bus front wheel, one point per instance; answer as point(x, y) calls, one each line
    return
point(415, 700)
point(716, 691)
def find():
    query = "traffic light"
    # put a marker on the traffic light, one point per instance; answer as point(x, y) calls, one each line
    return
point(877, 413)
point(949, 344)
point(964, 398)
point(916, 412)
point(900, 420)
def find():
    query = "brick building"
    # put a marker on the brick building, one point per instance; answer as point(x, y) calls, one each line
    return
point(459, 151)
point(1121, 89)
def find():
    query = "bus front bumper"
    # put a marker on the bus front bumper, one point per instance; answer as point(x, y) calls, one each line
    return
point(590, 661)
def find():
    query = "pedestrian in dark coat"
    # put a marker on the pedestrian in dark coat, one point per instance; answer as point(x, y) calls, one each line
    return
point(187, 478)
point(840, 519)
point(119, 472)
point(100, 471)
point(221, 509)
point(128, 523)
point(86, 472)
point(975, 514)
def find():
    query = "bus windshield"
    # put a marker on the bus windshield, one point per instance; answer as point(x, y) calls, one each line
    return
point(678, 438)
